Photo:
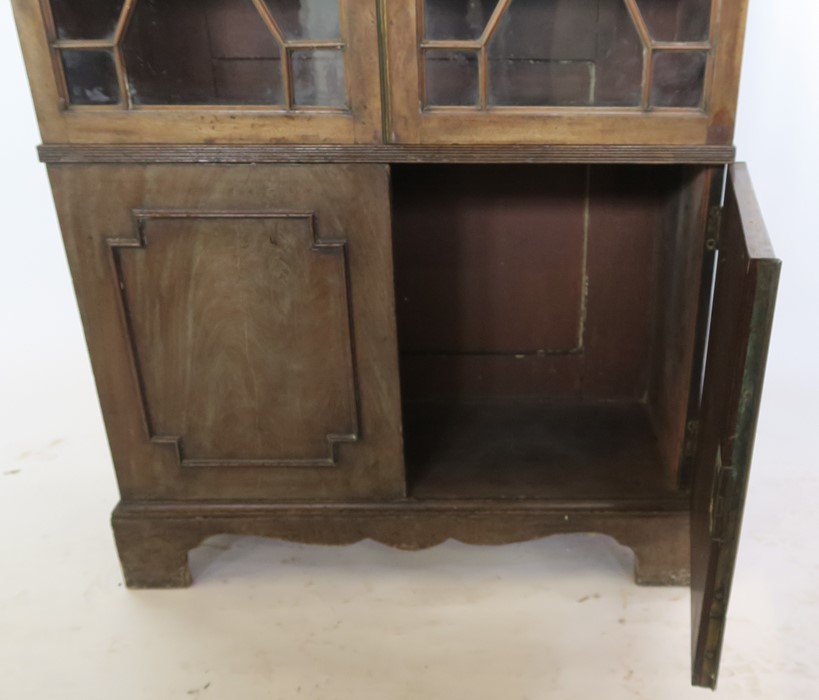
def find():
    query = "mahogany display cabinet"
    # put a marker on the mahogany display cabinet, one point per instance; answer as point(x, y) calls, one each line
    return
point(412, 270)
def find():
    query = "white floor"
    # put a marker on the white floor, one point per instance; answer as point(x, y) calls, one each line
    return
point(558, 618)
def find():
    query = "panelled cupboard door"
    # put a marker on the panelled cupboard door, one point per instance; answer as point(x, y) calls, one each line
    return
point(593, 72)
point(744, 298)
point(203, 71)
point(241, 327)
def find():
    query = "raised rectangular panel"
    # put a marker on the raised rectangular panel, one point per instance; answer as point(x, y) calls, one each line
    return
point(240, 331)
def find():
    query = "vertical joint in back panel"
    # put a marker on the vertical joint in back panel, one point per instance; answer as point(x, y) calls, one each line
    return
point(584, 281)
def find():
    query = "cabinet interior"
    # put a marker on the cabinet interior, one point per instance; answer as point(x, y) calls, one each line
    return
point(568, 52)
point(203, 52)
point(547, 324)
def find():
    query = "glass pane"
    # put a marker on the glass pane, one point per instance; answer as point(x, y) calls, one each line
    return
point(565, 52)
point(677, 20)
point(91, 77)
point(533, 83)
point(318, 78)
point(306, 19)
point(86, 19)
point(456, 19)
point(679, 78)
point(451, 78)
point(248, 81)
point(201, 52)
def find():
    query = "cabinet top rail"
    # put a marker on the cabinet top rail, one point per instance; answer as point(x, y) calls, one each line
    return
point(547, 153)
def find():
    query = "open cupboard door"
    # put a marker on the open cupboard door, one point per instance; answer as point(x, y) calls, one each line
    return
point(744, 298)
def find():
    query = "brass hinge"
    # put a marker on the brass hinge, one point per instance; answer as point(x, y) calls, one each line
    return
point(723, 490)
point(713, 228)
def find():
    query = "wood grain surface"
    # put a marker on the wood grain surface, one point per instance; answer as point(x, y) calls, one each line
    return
point(388, 153)
point(240, 330)
point(154, 538)
point(234, 323)
point(528, 281)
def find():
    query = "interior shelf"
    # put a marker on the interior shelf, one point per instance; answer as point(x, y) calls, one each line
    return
point(534, 449)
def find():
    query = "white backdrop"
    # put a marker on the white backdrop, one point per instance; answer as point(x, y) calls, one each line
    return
point(47, 400)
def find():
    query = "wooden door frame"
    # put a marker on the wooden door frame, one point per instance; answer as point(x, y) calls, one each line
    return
point(59, 123)
point(410, 123)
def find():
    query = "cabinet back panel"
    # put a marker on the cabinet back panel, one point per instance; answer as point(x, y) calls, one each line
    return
point(491, 260)
point(527, 281)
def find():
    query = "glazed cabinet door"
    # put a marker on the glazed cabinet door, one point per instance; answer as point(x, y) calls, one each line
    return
point(744, 297)
point(563, 71)
point(241, 327)
point(195, 71)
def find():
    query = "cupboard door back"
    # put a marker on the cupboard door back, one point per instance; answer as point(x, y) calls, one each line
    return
point(744, 297)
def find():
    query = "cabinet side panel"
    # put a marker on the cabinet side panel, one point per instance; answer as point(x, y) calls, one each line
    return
point(681, 261)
